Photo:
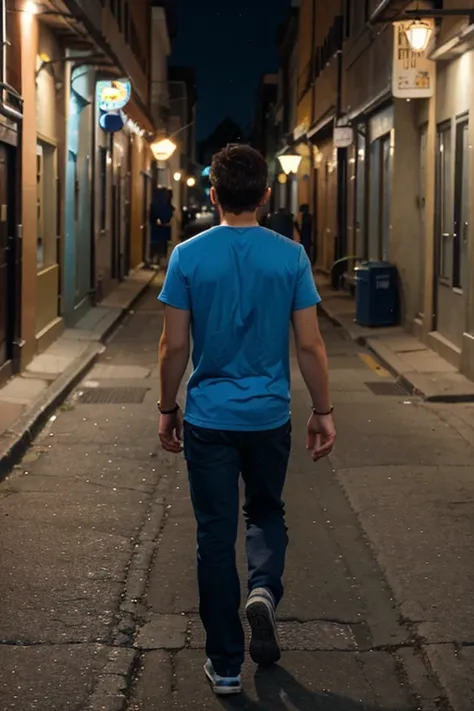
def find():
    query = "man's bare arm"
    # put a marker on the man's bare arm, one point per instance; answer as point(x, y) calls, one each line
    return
point(173, 354)
point(312, 357)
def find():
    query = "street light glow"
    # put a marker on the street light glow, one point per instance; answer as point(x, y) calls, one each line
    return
point(290, 163)
point(163, 150)
point(419, 34)
point(30, 7)
point(177, 177)
point(191, 182)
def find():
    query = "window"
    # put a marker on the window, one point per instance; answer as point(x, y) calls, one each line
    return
point(13, 51)
point(103, 189)
point(386, 195)
point(126, 21)
point(39, 207)
point(360, 221)
point(46, 205)
point(422, 175)
point(120, 14)
point(443, 191)
point(461, 205)
point(358, 18)
point(347, 18)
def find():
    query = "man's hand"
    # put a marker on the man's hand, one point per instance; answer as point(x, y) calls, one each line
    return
point(170, 431)
point(321, 436)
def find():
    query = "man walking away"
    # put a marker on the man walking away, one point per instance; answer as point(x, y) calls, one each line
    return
point(239, 286)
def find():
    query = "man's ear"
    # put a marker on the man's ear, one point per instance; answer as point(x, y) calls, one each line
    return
point(266, 198)
point(213, 196)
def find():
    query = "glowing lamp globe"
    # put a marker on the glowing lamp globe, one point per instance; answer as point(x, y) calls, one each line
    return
point(163, 150)
point(419, 34)
point(290, 163)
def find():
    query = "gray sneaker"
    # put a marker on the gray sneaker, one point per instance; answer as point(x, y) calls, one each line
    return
point(264, 643)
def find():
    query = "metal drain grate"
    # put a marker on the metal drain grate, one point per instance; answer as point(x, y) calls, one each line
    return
point(112, 396)
point(385, 388)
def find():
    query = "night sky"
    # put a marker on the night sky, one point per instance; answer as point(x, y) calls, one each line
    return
point(230, 44)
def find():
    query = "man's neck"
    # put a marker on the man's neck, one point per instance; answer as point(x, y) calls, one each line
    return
point(246, 219)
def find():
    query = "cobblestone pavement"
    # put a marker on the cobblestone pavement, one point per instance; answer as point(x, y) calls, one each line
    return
point(98, 586)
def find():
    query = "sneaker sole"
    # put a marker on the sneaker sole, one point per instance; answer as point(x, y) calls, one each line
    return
point(222, 690)
point(264, 645)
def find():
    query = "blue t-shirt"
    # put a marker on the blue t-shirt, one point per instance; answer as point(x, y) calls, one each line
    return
point(241, 286)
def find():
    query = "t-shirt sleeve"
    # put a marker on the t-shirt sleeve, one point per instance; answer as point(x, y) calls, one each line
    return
point(306, 294)
point(175, 291)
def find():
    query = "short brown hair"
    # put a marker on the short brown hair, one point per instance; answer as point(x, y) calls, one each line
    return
point(239, 175)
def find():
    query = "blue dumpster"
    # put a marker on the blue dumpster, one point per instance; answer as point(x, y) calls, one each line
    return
point(377, 301)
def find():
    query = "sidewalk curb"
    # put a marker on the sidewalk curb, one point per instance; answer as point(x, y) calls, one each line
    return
point(18, 438)
point(403, 379)
point(21, 434)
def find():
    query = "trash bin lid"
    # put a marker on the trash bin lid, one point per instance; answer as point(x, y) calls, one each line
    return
point(362, 266)
point(380, 264)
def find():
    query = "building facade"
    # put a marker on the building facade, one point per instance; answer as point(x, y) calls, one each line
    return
point(11, 130)
point(285, 188)
point(329, 163)
point(398, 188)
point(75, 194)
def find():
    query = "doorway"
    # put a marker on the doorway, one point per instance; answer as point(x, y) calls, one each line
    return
point(315, 245)
point(381, 159)
point(7, 229)
point(422, 176)
point(452, 228)
point(360, 227)
point(147, 197)
point(386, 197)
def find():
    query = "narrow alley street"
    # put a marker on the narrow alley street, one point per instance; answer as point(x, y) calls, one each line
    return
point(99, 599)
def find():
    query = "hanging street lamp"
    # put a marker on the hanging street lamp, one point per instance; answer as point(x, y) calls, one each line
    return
point(419, 34)
point(163, 150)
point(290, 163)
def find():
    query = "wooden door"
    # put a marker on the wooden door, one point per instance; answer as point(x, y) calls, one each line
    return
point(7, 292)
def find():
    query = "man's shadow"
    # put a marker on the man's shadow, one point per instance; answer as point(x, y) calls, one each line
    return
point(277, 690)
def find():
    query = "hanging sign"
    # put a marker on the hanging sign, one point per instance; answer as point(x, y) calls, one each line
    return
point(413, 72)
point(113, 95)
point(112, 121)
point(343, 136)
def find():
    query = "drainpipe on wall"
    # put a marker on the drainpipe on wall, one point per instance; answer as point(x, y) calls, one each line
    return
point(17, 246)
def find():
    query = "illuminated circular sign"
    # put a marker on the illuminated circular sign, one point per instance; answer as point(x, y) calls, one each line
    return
point(113, 95)
point(112, 121)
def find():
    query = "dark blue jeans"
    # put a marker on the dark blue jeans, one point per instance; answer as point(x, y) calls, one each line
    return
point(216, 459)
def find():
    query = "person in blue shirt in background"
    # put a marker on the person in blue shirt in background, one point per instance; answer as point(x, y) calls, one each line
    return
point(239, 287)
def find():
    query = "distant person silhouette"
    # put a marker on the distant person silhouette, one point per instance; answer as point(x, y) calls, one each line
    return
point(282, 221)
